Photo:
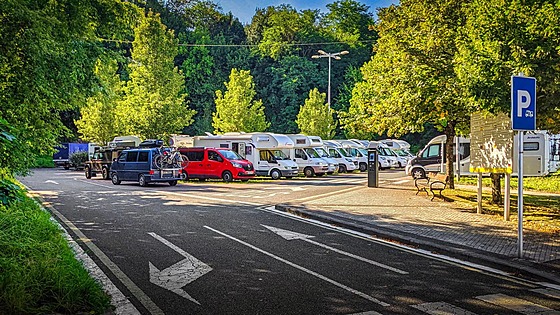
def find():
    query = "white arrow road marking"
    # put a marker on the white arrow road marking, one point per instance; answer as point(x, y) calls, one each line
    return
point(180, 274)
point(51, 182)
point(287, 262)
point(290, 235)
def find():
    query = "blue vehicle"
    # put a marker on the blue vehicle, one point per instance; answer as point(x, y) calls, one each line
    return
point(65, 150)
point(139, 165)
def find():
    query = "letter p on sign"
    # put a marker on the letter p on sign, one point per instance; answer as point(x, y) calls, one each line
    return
point(523, 103)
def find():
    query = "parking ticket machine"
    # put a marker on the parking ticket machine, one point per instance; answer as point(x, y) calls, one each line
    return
point(373, 162)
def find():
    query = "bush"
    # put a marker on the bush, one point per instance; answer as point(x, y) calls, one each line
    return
point(44, 161)
point(78, 159)
point(9, 191)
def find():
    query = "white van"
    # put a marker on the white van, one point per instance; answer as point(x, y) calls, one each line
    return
point(262, 149)
point(308, 160)
point(346, 162)
point(431, 158)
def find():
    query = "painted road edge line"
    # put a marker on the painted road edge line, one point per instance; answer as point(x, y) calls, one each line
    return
point(313, 273)
point(444, 258)
point(118, 298)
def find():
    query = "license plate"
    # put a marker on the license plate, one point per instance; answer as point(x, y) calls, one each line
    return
point(249, 172)
point(167, 174)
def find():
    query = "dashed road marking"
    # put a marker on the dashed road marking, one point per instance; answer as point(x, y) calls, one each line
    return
point(441, 308)
point(517, 305)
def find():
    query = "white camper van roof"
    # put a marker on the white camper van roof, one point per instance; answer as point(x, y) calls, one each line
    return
point(261, 140)
point(304, 141)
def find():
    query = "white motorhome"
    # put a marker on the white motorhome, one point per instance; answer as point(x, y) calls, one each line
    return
point(346, 162)
point(401, 148)
point(308, 160)
point(536, 159)
point(354, 149)
point(387, 157)
point(318, 145)
point(264, 150)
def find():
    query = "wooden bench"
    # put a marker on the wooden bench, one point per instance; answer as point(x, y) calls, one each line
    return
point(432, 182)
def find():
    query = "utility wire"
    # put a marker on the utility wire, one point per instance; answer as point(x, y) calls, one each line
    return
point(238, 45)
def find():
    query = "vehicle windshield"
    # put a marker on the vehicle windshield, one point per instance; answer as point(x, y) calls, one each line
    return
point(322, 152)
point(400, 152)
point(363, 151)
point(312, 153)
point(352, 151)
point(230, 155)
point(344, 152)
point(279, 155)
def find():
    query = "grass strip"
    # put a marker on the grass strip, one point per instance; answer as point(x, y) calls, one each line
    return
point(38, 271)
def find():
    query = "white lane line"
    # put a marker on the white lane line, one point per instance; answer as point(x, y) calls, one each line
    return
point(328, 194)
point(367, 313)
point(548, 292)
point(290, 235)
point(340, 285)
point(229, 201)
point(130, 285)
point(517, 305)
point(420, 252)
point(441, 308)
point(401, 182)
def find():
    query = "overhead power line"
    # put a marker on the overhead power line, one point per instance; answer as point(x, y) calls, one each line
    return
point(239, 45)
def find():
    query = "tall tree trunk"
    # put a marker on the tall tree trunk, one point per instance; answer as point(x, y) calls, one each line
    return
point(450, 133)
point(496, 189)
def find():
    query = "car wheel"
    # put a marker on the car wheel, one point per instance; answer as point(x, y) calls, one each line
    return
point(418, 173)
point(184, 176)
point(363, 167)
point(308, 172)
point(227, 176)
point(142, 180)
point(342, 168)
point(173, 183)
point(87, 170)
point(105, 173)
point(115, 179)
point(275, 174)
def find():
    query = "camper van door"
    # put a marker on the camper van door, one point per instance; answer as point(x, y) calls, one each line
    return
point(432, 157)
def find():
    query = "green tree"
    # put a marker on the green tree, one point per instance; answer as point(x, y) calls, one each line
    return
point(98, 121)
point(503, 38)
point(154, 102)
point(315, 118)
point(412, 78)
point(284, 85)
point(47, 52)
point(350, 22)
point(236, 109)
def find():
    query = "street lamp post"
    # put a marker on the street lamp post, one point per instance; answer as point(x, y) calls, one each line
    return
point(323, 54)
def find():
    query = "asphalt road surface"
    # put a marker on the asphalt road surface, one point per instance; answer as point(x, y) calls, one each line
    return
point(217, 248)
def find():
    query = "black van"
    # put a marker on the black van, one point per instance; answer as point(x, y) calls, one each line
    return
point(139, 165)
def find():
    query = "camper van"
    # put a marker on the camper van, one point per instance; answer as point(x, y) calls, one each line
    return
point(309, 162)
point(402, 150)
point(353, 149)
point(262, 149)
point(536, 159)
point(346, 163)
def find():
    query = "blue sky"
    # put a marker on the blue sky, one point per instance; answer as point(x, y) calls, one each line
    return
point(245, 9)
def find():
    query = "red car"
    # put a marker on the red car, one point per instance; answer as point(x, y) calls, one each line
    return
point(221, 163)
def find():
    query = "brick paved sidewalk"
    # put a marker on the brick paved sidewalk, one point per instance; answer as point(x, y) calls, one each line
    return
point(399, 210)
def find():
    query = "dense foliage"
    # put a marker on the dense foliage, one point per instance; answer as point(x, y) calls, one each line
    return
point(103, 68)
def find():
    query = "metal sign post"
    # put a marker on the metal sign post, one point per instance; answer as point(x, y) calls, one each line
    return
point(520, 197)
point(523, 117)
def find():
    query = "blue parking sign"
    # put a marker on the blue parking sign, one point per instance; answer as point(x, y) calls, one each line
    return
point(523, 103)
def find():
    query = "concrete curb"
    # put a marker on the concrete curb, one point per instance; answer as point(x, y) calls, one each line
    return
point(509, 264)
